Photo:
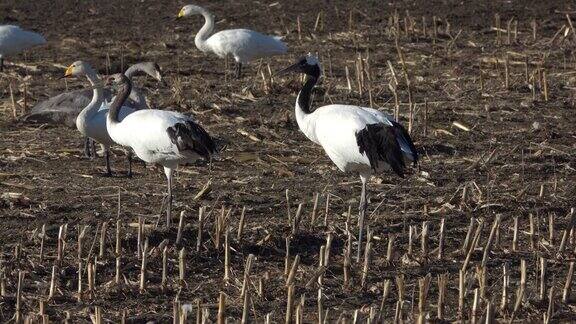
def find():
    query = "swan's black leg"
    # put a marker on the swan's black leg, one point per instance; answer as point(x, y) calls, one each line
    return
point(87, 152)
point(107, 159)
point(93, 148)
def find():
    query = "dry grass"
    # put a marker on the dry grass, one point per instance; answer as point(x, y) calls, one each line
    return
point(482, 230)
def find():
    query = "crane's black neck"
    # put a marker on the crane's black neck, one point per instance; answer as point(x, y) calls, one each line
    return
point(121, 96)
point(304, 96)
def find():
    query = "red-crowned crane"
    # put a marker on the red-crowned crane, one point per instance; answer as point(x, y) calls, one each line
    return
point(164, 137)
point(357, 139)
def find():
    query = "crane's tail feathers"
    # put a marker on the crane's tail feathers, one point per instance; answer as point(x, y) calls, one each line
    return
point(379, 143)
point(189, 136)
point(405, 142)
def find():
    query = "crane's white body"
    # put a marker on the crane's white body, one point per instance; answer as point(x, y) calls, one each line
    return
point(157, 136)
point(334, 127)
point(144, 131)
point(357, 139)
point(243, 45)
point(14, 40)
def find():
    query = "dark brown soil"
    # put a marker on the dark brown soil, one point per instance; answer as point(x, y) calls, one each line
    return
point(513, 157)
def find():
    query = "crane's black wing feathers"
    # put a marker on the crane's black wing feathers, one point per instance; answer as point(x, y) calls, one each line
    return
point(379, 142)
point(191, 136)
point(402, 135)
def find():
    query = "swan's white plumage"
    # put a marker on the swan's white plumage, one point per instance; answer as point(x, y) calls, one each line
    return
point(244, 45)
point(91, 122)
point(65, 107)
point(14, 40)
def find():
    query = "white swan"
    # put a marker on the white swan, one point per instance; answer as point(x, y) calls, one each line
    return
point(243, 44)
point(91, 121)
point(14, 40)
point(65, 107)
point(158, 136)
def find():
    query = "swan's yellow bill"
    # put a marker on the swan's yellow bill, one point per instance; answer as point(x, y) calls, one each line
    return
point(68, 71)
point(181, 13)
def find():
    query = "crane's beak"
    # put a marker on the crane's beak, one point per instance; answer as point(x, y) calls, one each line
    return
point(291, 68)
point(180, 14)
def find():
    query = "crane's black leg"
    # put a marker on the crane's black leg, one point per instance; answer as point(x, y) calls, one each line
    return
point(1, 64)
point(169, 208)
point(107, 159)
point(238, 70)
point(129, 157)
point(169, 173)
point(362, 210)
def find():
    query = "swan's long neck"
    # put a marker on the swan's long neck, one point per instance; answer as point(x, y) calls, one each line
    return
point(303, 110)
point(114, 109)
point(206, 30)
point(97, 97)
